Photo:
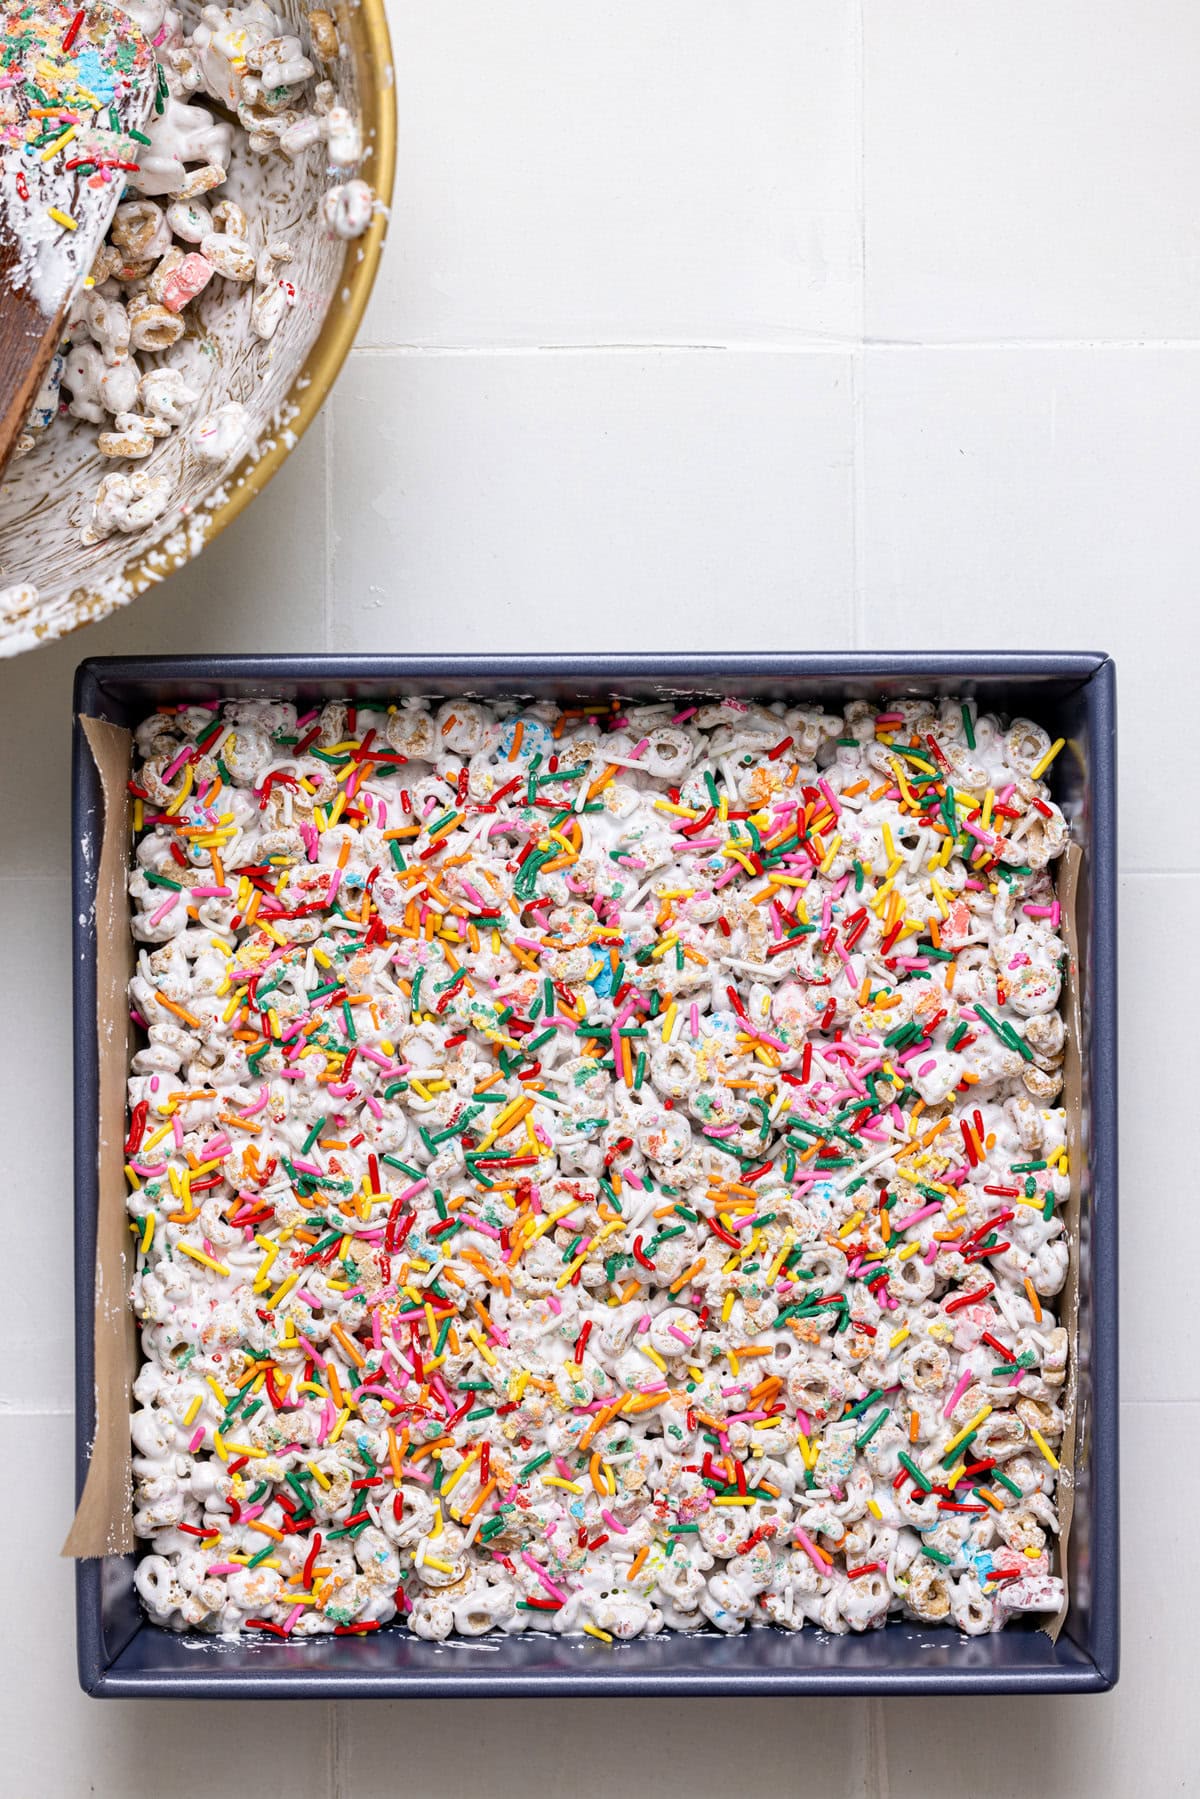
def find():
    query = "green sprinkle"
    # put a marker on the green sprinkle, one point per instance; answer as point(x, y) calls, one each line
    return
point(922, 1480)
point(861, 1442)
point(317, 1128)
point(864, 1405)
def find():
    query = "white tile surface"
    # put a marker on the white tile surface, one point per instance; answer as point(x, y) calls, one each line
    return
point(1140, 1738)
point(1029, 169)
point(685, 1749)
point(35, 1059)
point(629, 180)
point(642, 171)
point(59, 1744)
point(633, 501)
point(1157, 914)
point(1044, 499)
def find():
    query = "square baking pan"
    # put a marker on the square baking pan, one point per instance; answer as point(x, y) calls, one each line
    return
point(1074, 696)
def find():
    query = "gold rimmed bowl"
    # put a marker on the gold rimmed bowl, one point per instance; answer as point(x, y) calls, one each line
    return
point(53, 581)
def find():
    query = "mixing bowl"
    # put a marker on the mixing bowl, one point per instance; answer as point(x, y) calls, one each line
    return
point(51, 580)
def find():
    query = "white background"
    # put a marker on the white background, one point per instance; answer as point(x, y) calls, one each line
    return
point(755, 324)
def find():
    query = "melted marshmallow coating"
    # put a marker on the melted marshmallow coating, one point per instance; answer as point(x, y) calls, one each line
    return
point(596, 1171)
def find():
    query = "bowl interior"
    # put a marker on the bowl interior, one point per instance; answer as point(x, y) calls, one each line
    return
point(46, 497)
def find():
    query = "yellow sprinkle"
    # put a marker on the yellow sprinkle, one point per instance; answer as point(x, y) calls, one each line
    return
point(594, 1630)
point(448, 1486)
point(198, 1255)
point(318, 1475)
point(68, 224)
point(781, 1258)
point(832, 851)
point(898, 1336)
point(1039, 768)
point(734, 1500)
point(477, 1339)
point(148, 1233)
point(338, 1428)
point(972, 1424)
point(433, 1561)
point(553, 1480)
point(1044, 1446)
point(189, 1417)
point(54, 148)
point(284, 1288)
point(873, 1508)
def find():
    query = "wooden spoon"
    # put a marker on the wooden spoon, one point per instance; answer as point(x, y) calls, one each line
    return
point(76, 88)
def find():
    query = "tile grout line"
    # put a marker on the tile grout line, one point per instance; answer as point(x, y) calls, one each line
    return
point(327, 590)
point(810, 346)
point(335, 1750)
point(857, 360)
point(875, 1771)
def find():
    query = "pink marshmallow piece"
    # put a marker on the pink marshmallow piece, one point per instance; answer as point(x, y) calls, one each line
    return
point(184, 283)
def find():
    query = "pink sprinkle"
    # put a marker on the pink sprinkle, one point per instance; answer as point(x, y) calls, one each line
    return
point(161, 913)
point(185, 755)
point(554, 1592)
point(613, 1523)
point(810, 1549)
point(197, 1439)
point(960, 1389)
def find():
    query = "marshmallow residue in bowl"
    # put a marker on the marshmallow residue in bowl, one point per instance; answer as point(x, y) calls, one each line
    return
point(186, 351)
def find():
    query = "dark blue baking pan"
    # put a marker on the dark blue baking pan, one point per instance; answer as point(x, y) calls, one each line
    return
point(1073, 696)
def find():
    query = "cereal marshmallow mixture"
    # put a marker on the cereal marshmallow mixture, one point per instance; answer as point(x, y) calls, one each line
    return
point(596, 1170)
point(180, 236)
